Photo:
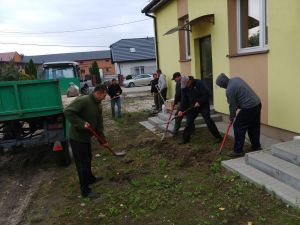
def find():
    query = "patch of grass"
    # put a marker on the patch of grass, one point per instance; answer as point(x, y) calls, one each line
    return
point(158, 183)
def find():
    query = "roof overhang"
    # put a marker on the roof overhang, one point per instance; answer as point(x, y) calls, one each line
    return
point(209, 18)
point(154, 5)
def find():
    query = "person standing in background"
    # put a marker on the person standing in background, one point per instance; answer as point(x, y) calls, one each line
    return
point(114, 91)
point(162, 88)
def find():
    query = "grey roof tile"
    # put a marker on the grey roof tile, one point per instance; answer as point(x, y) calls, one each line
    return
point(144, 49)
point(76, 56)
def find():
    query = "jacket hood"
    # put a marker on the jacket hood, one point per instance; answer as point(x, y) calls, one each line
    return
point(222, 80)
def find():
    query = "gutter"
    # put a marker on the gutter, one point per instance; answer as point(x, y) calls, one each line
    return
point(155, 32)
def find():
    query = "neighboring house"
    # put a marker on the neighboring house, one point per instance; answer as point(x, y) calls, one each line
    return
point(8, 56)
point(134, 56)
point(256, 40)
point(85, 60)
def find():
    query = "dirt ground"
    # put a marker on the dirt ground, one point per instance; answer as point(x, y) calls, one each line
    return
point(156, 183)
point(22, 172)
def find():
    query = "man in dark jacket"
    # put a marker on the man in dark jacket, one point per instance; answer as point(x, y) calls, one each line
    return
point(114, 91)
point(195, 94)
point(83, 113)
point(241, 96)
point(177, 99)
point(154, 90)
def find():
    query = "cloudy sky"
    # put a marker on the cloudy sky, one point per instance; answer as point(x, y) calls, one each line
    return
point(46, 22)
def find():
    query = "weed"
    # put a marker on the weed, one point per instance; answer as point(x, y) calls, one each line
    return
point(113, 211)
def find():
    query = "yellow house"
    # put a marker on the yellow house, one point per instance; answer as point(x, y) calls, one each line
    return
point(257, 40)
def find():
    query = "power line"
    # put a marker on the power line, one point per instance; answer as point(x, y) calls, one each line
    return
point(54, 45)
point(71, 31)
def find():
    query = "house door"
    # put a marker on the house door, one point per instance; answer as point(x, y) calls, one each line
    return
point(206, 63)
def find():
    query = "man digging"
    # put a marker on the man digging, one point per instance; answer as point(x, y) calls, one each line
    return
point(83, 113)
point(241, 96)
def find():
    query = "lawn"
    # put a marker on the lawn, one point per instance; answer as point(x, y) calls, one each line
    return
point(157, 183)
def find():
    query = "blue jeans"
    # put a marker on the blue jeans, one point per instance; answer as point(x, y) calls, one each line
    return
point(113, 103)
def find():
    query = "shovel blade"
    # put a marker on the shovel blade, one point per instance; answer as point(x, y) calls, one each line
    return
point(121, 153)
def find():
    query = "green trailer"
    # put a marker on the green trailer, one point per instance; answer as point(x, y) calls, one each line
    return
point(31, 114)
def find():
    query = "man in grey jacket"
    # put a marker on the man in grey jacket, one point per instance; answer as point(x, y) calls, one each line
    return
point(241, 96)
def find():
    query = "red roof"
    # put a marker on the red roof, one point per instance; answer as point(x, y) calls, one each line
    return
point(7, 56)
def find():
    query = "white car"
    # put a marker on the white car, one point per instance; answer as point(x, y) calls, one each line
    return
point(139, 80)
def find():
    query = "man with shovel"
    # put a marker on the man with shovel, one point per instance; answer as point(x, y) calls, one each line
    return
point(195, 96)
point(85, 112)
point(241, 96)
point(177, 99)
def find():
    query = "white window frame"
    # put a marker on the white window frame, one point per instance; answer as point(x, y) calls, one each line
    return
point(262, 37)
point(187, 39)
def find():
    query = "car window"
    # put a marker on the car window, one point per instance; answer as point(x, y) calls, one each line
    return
point(138, 77)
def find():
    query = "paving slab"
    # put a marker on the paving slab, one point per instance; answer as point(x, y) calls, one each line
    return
point(283, 191)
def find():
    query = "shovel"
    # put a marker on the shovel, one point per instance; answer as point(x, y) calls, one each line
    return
point(101, 142)
point(225, 136)
point(183, 113)
point(169, 120)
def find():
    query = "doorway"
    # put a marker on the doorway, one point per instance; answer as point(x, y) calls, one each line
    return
point(206, 64)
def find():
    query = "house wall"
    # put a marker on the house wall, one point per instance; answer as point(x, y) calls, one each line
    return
point(168, 50)
point(150, 67)
point(104, 64)
point(284, 66)
point(219, 39)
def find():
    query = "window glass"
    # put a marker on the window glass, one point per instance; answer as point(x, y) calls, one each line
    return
point(252, 21)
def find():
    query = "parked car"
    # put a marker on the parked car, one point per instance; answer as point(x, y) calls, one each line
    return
point(139, 80)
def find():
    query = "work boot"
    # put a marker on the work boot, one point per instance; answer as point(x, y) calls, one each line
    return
point(95, 180)
point(183, 142)
point(91, 195)
point(236, 154)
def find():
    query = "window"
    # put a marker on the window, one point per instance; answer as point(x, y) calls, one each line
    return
point(132, 50)
point(187, 40)
point(252, 25)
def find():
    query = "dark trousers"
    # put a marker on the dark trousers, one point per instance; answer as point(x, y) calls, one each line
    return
point(177, 124)
point(156, 100)
point(114, 102)
point(247, 120)
point(164, 95)
point(192, 115)
point(83, 157)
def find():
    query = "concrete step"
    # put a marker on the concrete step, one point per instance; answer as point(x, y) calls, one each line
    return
point(198, 120)
point(280, 169)
point(289, 151)
point(155, 121)
point(171, 127)
point(148, 125)
point(283, 191)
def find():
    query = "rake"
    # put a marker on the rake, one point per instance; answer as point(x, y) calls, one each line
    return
point(169, 120)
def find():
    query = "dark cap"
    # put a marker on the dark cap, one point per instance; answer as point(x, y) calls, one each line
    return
point(176, 74)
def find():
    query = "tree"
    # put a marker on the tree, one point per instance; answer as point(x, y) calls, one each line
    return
point(94, 71)
point(10, 72)
point(30, 69)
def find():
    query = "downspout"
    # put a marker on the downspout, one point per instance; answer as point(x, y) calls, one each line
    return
point(156, 42)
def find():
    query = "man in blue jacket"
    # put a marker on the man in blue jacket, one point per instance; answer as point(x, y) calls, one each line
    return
point(195, 94)
point(241, 96)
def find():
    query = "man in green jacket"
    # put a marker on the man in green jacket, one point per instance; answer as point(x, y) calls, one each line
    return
point(83, 113)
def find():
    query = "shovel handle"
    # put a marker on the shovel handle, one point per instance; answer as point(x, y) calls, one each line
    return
point(101, 141)
point(225, 136)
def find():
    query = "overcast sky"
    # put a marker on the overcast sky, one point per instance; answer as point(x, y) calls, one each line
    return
point(38, 16)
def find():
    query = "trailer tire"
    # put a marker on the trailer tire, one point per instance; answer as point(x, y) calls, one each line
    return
point(64, 157)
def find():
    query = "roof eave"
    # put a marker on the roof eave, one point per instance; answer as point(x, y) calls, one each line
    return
point(154, 5)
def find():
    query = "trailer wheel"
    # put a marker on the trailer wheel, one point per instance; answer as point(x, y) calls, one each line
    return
point(64, 157)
